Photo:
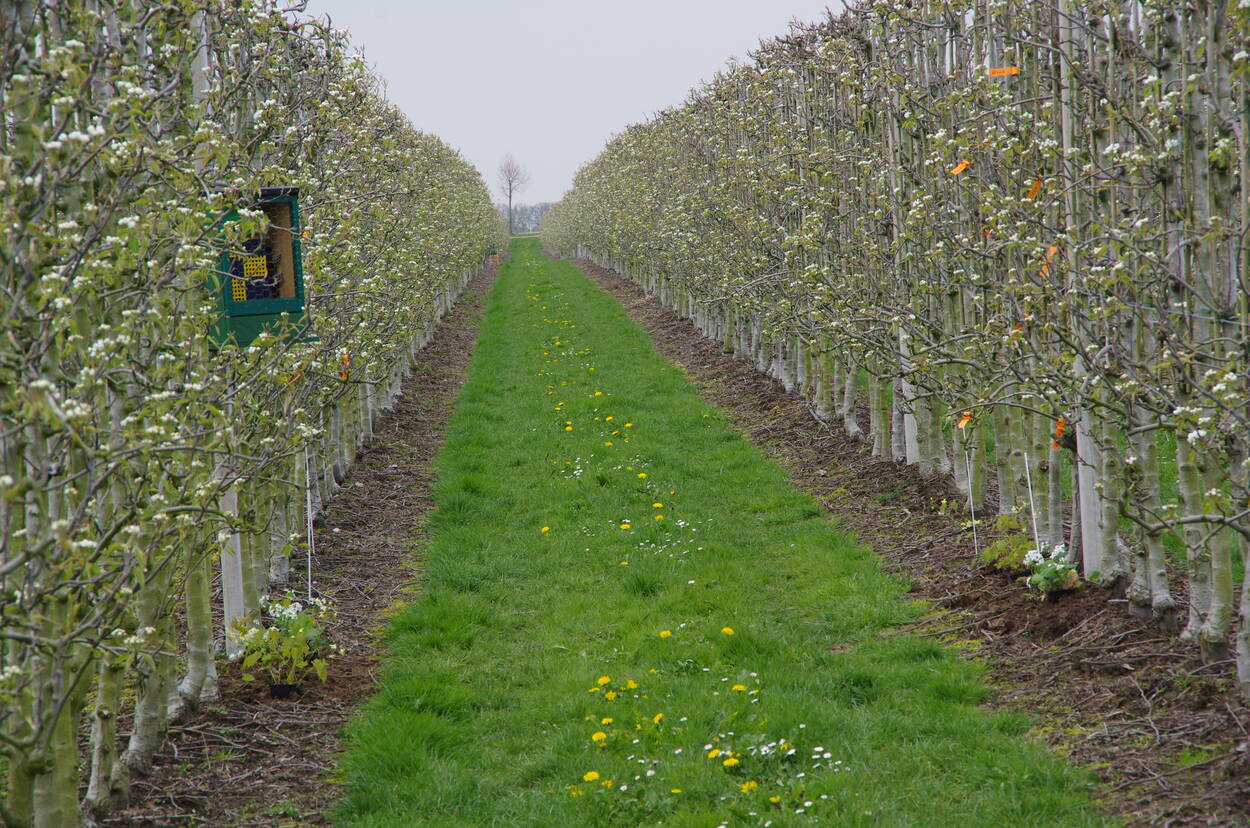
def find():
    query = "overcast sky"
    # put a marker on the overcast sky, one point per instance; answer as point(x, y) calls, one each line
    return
point(550, 80)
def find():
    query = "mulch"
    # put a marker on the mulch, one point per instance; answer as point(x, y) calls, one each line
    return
point(1166, 734)
point(251, 760)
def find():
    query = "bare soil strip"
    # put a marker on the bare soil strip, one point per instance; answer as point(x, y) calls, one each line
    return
point(1167, 734)
point(251, 760)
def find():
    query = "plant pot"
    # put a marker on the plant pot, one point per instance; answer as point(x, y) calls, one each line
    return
point(282, 691)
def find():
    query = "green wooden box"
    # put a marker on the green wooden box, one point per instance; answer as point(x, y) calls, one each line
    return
point(261, 286)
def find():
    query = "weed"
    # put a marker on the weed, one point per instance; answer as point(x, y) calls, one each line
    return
point(1007, 553)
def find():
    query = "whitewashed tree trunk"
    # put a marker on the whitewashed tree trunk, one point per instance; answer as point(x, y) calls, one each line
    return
point(107, 785)
point(1089, 464)
point(850, 422)
point(234, 608)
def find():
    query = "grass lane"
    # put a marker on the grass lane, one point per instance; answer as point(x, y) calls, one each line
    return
point(631, 618)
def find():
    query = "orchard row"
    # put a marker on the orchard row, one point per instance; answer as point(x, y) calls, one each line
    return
point(1022, 227)
point(137, 449)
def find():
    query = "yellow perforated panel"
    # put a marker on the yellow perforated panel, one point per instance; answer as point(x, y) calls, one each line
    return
point(255, 267)
point(238, 290)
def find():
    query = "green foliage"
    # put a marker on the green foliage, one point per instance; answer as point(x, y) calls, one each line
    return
point(961, 217)
point(1051, 571)
point(129, 129)
point(1008, 552)
point(289, 643)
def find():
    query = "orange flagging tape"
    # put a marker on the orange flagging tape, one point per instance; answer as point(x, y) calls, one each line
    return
point(1004, 71)
point(1035, 189)
point(1050, 257)
point(960, 167)
point(1061, 425)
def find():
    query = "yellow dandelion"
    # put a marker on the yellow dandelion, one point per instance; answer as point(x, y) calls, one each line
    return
point(631, 685)
point(608, 419)
point(606, 720)
point(642, 475)
point(665, 633)
point(607, 783)
point(604, 680)
point(598, 393)
point(625, 526)
point(727, 630)
point(546, 529)
point(713, 753)
point(598, 736)
point(659, 517)
point(656, 718)
point(607, 442)
point(623, 563)
point(730, 762)
point(590, 776)
point(675, 790)
point(568, 428)
point(629, 425)
point(738, 688)
point(774, 799)
point(610, 695)
point(657, 505)
point(747, 787)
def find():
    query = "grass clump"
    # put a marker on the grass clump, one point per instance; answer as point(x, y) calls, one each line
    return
point(631, 618)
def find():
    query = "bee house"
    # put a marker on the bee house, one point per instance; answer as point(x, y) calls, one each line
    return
point(263, 278)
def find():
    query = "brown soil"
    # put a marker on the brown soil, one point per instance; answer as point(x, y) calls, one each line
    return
point(1166, 734)
point(248, 759)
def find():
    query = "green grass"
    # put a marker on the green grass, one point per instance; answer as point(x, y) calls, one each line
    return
point(499, 675)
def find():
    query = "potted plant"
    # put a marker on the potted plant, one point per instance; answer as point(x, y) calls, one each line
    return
point(288, 643)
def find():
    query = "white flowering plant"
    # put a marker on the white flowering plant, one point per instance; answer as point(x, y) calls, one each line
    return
point(1051, 570)
point(290, 642)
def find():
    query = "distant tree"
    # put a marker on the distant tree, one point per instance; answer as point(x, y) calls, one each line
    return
point(525, 217)
point(512, 178)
